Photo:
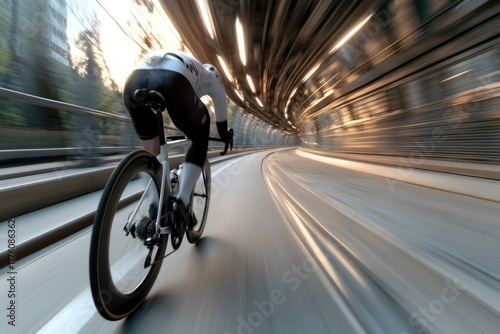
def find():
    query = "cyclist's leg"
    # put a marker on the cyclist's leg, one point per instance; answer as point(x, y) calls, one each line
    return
point(189, 114)
point(147, 124)
point(195, 158)
point(191, 172)
point(184, 107)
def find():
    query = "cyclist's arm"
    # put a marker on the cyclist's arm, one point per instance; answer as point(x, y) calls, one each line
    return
point(219, 99)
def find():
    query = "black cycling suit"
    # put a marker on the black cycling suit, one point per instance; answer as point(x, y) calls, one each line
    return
point(182, 80)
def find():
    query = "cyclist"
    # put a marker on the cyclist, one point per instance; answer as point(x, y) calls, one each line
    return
point(181, 80)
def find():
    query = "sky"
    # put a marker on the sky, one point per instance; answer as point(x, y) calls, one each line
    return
point(120, 50)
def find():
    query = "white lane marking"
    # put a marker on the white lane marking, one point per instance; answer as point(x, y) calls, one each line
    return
point(76, 314)
point(226, 166)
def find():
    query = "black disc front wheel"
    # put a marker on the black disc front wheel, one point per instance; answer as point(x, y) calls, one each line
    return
point(120, 274)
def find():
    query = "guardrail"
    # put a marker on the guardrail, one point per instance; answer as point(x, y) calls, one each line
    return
point(40, 101)
point(70, 150)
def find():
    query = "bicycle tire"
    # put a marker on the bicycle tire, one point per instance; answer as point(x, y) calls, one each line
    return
point(200, 200)
point(111, 302)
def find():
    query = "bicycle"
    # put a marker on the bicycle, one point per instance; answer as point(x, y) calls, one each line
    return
point(134, 220)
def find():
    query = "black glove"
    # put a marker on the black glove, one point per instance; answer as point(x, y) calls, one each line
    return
point(225, 135)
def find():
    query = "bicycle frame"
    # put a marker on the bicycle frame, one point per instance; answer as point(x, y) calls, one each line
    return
point(165, 181)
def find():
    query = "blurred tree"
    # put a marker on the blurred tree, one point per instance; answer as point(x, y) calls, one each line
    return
point(92, 68)
point(142, 25)
point(146, 3)
point(88, 67)
point(96, 88)
point(6, 107)
point(31, 39)
point(5, 58)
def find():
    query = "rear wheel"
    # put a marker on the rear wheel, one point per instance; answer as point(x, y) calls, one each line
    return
point(200, 201)
point(120, 277)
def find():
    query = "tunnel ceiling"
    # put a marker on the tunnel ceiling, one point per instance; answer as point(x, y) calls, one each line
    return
point(284, 41)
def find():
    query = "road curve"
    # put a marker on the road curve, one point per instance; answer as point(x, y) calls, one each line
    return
point(293, 245)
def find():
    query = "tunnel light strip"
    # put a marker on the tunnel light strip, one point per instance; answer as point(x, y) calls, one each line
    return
point(241, 41)
point(207, 18)
point(455, 76)
point(250, 83)
point(350, 34)
point(259, 102)
point(225, 68)
point(290, 100)
point(311, 72)
point(328, 93)
point(239, 95)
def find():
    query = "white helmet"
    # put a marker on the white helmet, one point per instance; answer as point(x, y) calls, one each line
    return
point(211, 68)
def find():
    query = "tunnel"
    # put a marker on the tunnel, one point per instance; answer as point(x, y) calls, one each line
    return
point(360, 193)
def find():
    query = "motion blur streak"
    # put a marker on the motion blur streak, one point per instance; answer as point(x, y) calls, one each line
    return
point(404, 251)
point(317, 251)
point(294, 245)
point(362, 195)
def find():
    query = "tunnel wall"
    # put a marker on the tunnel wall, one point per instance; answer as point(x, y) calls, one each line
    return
point(417, 83)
